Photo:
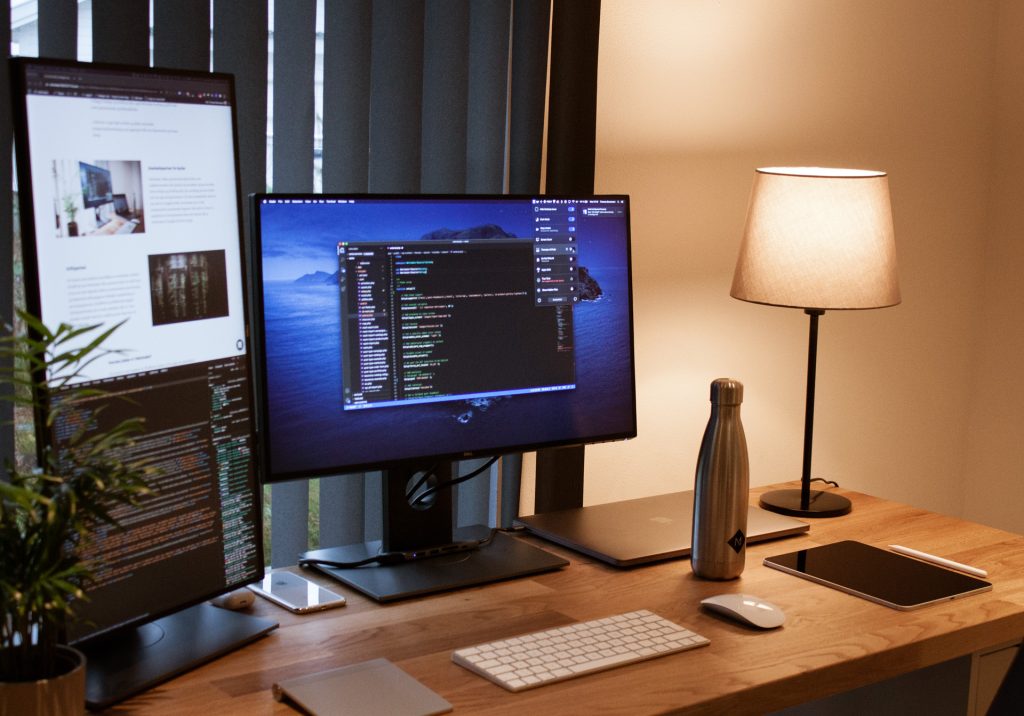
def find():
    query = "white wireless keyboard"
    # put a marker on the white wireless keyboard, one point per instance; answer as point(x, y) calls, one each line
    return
point(531, 660)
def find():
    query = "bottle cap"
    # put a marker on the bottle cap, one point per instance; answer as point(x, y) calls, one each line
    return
point(726, 391)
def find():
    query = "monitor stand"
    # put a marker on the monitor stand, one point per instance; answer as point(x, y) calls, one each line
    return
point(130, 661)
point(438, 556)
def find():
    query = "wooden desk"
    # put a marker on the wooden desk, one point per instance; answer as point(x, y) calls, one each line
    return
point(832, 642)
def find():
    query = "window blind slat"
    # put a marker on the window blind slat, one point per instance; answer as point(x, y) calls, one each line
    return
point(293, 121)
point(488, 96)
point(346, 120)
point(341, 514)
point(572, 117)
point(444, 112)
point(240, 48)
point(528, 56)
point(486, 121)
point(289, 533)
point(181, 34)
point(396, 95)
point(530, 24)
point(373, 484)
point(120, 32)
point(292, 131)
point(346, 500)
point(572, 113)
point(474, 498)
point(58, 29)
point(6, 221)
point(511, 481)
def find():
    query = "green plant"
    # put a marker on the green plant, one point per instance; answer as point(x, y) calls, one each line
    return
point(47, 513)
point(70, 207)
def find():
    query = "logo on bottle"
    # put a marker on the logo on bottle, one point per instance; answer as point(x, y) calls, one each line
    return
point(737, 541)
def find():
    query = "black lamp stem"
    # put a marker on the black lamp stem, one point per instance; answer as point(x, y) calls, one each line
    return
point(812, 369)
point(802, 502)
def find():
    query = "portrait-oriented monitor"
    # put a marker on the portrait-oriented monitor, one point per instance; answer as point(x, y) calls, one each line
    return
point(404, 331)
point(163, 142)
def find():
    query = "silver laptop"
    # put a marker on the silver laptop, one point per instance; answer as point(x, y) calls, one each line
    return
point(643, 530)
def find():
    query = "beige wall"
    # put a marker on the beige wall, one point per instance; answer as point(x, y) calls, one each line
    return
point(693, 95)
point(995, 455)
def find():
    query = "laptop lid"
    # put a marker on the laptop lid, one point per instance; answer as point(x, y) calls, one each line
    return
point(643, 530)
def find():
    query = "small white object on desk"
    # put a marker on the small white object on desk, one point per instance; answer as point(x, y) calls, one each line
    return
point(941, 561)
point(746, 609)
point(369, 687)
point(238, 599)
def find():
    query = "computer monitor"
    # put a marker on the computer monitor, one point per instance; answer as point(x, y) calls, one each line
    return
point(121, 205)
point(95, 185)
point(403, 332)
point(86, 133)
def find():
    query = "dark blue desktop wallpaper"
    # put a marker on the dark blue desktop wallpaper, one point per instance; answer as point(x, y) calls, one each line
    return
point(307, 430)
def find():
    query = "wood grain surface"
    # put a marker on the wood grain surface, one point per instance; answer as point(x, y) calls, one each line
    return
point(831, 642)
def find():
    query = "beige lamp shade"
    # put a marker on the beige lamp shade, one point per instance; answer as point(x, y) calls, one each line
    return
point(818, 238)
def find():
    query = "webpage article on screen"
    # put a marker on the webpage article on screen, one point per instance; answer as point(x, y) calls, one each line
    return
point(139, 224)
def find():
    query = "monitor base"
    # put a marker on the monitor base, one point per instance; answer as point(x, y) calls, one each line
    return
point(504, 557)
point(128, 662)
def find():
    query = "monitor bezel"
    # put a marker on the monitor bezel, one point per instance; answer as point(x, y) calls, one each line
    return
point(259, 337)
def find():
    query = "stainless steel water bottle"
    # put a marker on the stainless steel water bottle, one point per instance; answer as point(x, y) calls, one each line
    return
point(720, 497)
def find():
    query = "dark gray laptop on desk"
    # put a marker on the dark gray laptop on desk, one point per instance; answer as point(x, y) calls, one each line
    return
point(643, 530)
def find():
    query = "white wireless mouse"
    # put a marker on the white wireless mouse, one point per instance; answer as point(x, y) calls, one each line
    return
point(746, 609)
point(238, 599)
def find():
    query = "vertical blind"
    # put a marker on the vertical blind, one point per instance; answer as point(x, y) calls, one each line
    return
point(6, 229)
point(440, 96)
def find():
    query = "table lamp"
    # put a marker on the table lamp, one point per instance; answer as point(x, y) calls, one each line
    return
point(821, 240)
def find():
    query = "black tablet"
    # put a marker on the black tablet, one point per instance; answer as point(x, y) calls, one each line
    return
point(878, 575)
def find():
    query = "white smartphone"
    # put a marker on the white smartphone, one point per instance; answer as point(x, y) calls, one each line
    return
point(296, 594)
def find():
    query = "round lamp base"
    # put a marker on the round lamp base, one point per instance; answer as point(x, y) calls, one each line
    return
point(821, 504)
